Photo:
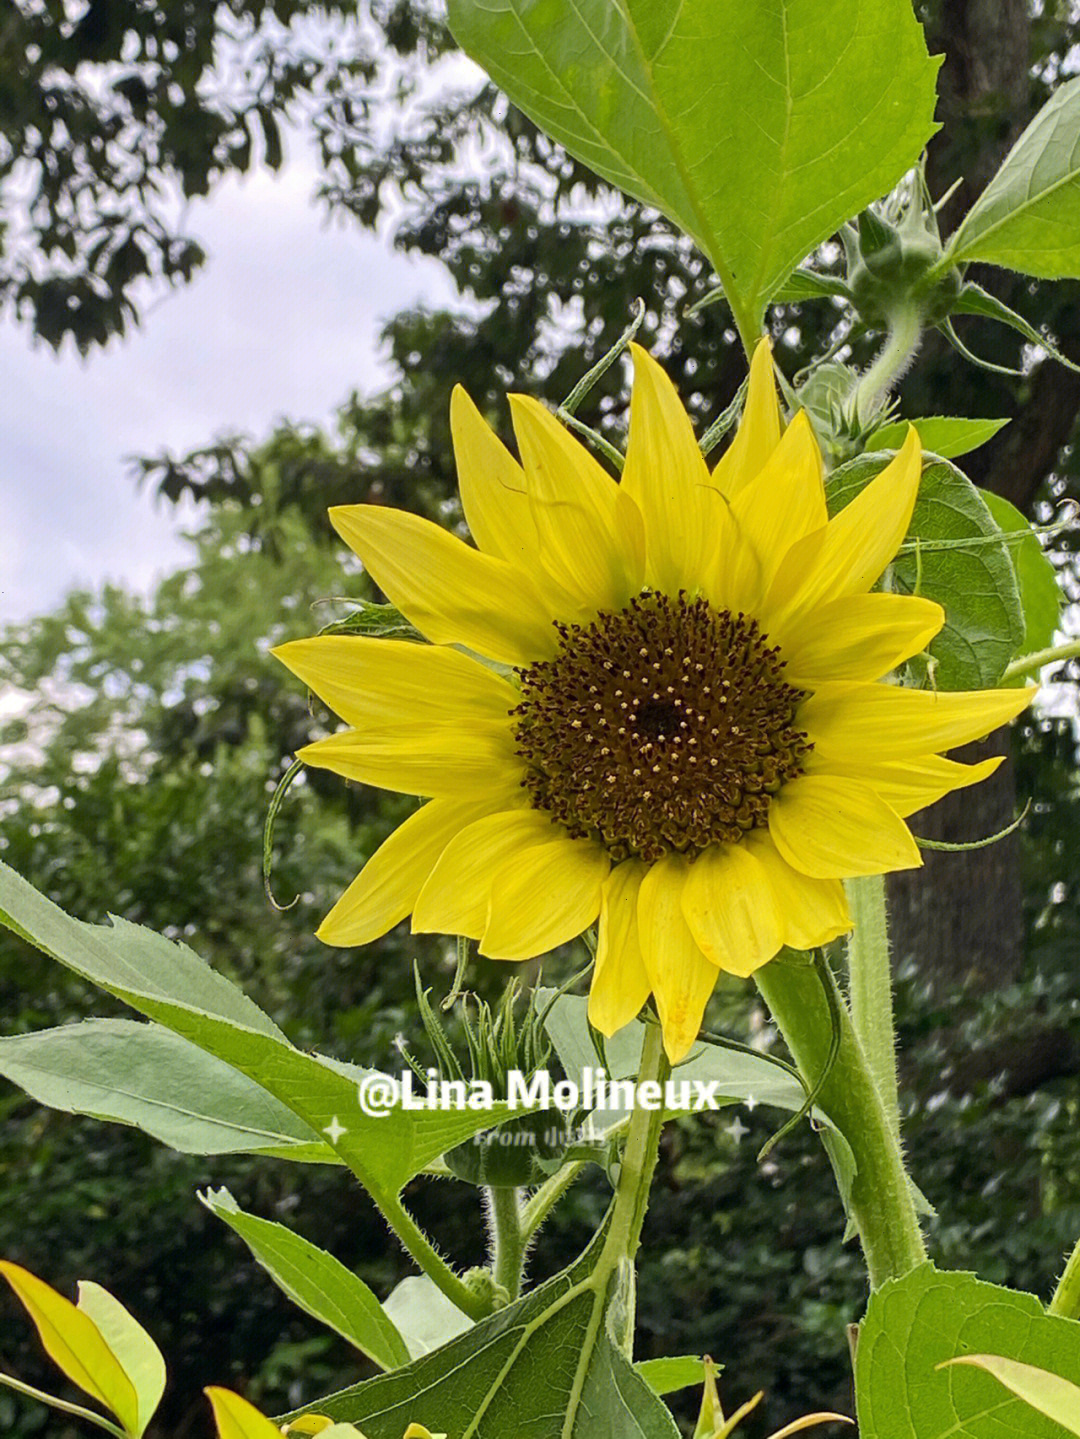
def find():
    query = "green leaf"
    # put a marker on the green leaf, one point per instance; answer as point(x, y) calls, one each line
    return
point(1040, 593)
point(545, 1367)
point(148, 1077)
point(809, 285)
point(423, 1315)
point(940, 434)
point(665, 1376)
point(975, 586)
point(131, 963)
point(755, 128)
point(139, 1356)
point(918, 1323)
point(974, 300)
point(1047, 1393)
point(316, 1282)
point(1028, 217)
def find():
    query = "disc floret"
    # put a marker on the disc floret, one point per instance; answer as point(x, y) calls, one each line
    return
point(664, 727)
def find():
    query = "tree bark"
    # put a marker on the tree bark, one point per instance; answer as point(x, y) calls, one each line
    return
point(960, 918)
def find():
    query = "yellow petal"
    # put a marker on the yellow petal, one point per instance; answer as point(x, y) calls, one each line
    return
point(444, 761)
point(620, 982)
point(759, 429)
point(829, 827)
point(783, 504)
point(668, 478)
point(590, 533)
point(75, 1345)
point(237, 1419)
point(454, 899)
point(495, 502)
point(544, 896)
point(386, 889)
point(392, 683)
point(452, 594)
point(847, 721)
point(908, 785)
point(852, 551)
point(680, 976)
point(492, 486)
point(812, 911)
point(860, 637)
point(731, 909)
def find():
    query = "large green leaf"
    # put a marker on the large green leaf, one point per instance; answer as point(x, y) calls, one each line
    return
point(974, 583)
point(543, 1368)
point(315, 1281)
point(916, 1324)
point(132, 964)
point(148, 1077)
point(1028, 217)
point(756, 128)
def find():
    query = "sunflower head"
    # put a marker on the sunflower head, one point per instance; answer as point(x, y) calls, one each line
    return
point(660, 705)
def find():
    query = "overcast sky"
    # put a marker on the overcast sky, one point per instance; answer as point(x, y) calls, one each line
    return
point(282, 321)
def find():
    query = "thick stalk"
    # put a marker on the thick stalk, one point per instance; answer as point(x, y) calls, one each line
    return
point(902, 340)
point(639, 1159)
point(416, 1242)
point(870, 989)
point(1066, 1300)
point(881, 1196)
point(507, 1241)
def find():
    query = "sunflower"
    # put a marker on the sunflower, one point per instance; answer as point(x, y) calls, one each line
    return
point(655, 703)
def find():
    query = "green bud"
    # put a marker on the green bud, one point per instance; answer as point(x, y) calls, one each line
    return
point(525, 1150)
point(892, 257)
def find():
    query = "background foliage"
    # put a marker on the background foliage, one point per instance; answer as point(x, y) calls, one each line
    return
point(140, 775)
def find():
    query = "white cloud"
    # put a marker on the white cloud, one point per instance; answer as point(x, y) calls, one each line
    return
point(282, 321)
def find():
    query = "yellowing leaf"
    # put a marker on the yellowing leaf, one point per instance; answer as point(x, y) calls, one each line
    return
point(1047, 1393)
point(76, 1345)
point(137, 1353)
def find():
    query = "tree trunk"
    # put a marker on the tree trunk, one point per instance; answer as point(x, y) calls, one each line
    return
point(960, 917)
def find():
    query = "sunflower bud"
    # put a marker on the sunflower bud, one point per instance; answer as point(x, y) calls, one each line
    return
point(893, 261)
point(522, 1151)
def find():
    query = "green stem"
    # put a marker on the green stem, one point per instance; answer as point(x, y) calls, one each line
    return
point(639, 1157)
point(416, 1242)
point(546, 1197)
point(1066, 1300)
point(1029, 664)
point(870, 989)
point(881, 1200)
point(507, 1241)
point(54, 1403)
point(902, 339)
point(616, 1262)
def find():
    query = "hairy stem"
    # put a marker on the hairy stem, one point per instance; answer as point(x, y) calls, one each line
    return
point(507, 1240)
point(881, 1200)
point(902, 340)
point(1031, 664)
point(870, 989)
point(547, 1196)
point(1066, 1300)
point(420, 1247)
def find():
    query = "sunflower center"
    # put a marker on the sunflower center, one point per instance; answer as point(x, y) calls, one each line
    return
point(665, 727)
